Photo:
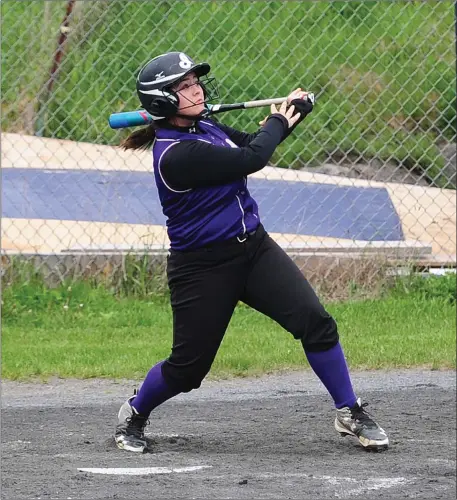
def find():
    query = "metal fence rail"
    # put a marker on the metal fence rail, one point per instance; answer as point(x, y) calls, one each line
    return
point(366, 181)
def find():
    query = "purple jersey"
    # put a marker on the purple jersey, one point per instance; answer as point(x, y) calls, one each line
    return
point(200, 216)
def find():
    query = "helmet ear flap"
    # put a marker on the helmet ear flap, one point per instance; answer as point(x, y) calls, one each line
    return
point(166, 105)
point(171, 104)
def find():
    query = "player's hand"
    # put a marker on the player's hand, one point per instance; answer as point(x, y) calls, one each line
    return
point(301, 95)
point(297, 94)
point(287, 111)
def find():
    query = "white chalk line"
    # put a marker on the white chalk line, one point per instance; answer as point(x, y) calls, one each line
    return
point(370, 484)
point(341, 484)
point(345, 487)
point(442, 461)
point(359, 486)
point(141, 471)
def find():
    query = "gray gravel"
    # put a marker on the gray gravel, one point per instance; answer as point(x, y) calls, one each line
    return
point(269, 437)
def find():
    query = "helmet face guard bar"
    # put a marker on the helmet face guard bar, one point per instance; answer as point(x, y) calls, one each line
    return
point(210, 91)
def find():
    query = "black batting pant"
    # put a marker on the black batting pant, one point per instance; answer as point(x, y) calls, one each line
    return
point(205, 286)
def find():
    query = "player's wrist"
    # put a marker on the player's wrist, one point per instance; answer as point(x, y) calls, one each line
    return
point(281, 118)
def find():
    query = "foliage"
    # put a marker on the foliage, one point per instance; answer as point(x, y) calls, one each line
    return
point(384, 72)
point(429, 287)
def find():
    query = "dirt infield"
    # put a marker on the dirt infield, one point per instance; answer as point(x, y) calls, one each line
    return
point(271, 437)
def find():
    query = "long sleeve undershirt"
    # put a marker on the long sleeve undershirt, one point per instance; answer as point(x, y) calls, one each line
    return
point(194, 164)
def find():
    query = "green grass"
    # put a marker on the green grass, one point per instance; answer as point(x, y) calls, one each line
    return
point(374, 65)
point(87, 331)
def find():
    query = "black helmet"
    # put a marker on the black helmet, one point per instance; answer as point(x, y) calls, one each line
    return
point(154, 82)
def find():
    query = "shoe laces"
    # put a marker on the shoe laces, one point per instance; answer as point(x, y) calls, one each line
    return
point(136, 425)
point(359, 414)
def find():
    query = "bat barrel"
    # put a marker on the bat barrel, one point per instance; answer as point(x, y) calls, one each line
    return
point(129, 119)
point(132, 118)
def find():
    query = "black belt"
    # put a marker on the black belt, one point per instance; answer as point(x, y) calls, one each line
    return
point(242, 238)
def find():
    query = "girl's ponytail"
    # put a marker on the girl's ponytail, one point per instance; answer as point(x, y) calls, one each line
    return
point(140, 139)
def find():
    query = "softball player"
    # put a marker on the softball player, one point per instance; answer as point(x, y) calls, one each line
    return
point(220, 253)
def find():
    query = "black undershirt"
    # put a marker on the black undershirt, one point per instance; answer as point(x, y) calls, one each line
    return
point(194, 164)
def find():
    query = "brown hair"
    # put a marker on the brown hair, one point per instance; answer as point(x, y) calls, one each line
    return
point(140, 139)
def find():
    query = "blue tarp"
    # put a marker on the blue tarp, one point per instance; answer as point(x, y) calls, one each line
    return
point(361, 213)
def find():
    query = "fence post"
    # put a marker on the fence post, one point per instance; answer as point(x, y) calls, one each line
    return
point(43, 99)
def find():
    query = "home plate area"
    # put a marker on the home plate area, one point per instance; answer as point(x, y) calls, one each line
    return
point(263, 438)
point(284, 447)
point(337, 487)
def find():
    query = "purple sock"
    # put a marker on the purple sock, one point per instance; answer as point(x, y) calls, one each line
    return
point(331, 368)
point(153, 392)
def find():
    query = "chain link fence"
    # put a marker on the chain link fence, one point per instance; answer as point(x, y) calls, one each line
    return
point(365, 184)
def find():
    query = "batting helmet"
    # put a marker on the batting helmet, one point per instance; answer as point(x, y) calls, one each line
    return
point(156, 78)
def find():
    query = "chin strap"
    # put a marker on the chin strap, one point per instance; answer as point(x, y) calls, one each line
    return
point(200, 116)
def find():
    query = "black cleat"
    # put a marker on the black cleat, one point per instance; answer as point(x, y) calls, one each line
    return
point(129, 434)
point(357, 422)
